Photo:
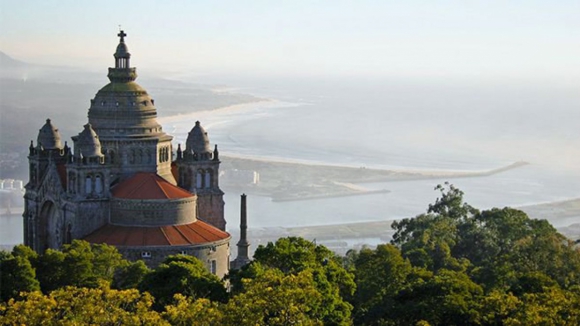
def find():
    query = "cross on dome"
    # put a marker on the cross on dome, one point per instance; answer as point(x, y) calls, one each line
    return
point(122, 35)
point(122, 57)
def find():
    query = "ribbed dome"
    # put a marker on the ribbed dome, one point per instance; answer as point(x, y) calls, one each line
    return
point(197, 140)
point(123, 105)
point(88, 143)
point(49, 137)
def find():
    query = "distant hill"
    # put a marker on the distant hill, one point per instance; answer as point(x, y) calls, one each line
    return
point(7, 61)
point(12, 68)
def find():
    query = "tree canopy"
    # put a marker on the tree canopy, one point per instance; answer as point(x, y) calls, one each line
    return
point(453, 265)
point(292, 256)
point(185, 275)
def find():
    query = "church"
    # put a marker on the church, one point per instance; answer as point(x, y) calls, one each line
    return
point(121, 184)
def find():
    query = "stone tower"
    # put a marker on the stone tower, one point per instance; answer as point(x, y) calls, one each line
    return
point(243, 257)
point(198, 171)
point(44, 225)
point(118, 186)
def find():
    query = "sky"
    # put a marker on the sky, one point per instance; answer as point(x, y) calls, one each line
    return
point(513, 40)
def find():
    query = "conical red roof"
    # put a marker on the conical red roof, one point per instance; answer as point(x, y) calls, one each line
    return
point(144, 185)
point(194, 233)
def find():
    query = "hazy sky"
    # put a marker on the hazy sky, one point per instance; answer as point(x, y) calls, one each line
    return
point(475, 39)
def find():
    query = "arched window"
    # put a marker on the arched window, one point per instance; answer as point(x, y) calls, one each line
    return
point(165, 154)
point(199, 179)
point(207, 182)
point(88, 185)
point(98, 184)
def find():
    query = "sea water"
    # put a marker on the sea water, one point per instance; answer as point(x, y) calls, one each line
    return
point(425, 127)
point(404, 125)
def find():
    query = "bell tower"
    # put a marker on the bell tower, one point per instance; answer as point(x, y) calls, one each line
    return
point(43, 221)
point(198, 172)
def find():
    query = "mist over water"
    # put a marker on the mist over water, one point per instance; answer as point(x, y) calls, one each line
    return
point(382, 123)
point(406, 126)
point(390, 124)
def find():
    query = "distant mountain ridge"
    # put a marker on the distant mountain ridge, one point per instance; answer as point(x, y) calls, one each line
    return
point(11, 68)
point(7, 61)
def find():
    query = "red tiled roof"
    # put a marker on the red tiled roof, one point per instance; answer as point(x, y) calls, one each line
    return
point(194, 233)
point(145, 185)
point(61, 170)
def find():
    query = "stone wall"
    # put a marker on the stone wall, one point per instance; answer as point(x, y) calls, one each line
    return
point(210, 209)
point(216, 253)
point(159, 212)
point(87, 216)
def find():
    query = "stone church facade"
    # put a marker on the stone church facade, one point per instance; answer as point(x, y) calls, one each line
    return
point(120, 185)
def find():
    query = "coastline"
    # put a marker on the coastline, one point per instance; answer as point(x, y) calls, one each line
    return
point(284, 181)
point(260, 103)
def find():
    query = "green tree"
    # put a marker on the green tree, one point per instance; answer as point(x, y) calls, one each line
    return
point(79, 264)
point(185, 275)
point(495, 246)
point(25, 252)
point(81, 306)
point(551, 306)
point(50, 270)
point(106, 261)
point(274, 298)
point(186, 311)
point(380, 275)
point(16, 275)
point(130, 275)
point(428, 240)
point(293, 255)
point(446, 298)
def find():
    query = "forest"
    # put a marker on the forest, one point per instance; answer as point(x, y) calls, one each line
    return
point(453, 265)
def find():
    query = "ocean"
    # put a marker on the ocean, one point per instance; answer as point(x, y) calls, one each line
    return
point(426, 127)
point(404, 125)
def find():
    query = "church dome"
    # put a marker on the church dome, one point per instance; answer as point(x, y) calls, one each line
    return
point(123, 108)
point(88, 143)
point(49, 137)
point(197, 140)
